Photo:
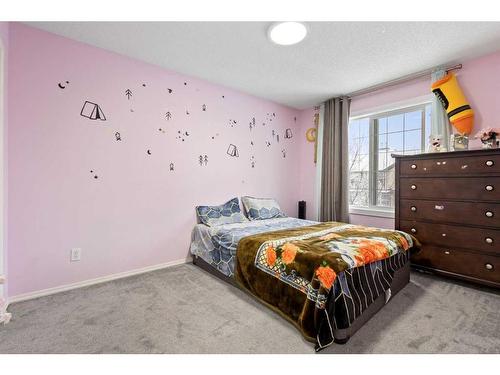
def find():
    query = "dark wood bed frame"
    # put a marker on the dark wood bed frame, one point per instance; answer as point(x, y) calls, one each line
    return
point(400, 280)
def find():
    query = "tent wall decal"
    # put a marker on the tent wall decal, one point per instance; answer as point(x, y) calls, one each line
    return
point(233, 151)
point(92, 111)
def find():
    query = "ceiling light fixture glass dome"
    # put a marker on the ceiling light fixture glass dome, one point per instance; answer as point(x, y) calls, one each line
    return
point(287, 33)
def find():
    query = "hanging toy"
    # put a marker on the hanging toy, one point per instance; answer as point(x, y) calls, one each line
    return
point(451, 96)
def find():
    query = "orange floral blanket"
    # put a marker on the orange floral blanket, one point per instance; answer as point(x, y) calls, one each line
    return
point(293, 271)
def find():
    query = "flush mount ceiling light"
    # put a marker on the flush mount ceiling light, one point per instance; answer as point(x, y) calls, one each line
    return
point(287, 33)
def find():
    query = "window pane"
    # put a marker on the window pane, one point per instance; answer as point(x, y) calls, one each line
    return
point(358, 188)
point(382, 125)
point(428, 114)
point(364, 127)
point(382, 160)
point(395, 123)
point(359, 162)
point(413, 140)
point(353, 129)
point(395, 142)
point(385, 187)
point(413, 120)
point(396, 133)
point(382, 141)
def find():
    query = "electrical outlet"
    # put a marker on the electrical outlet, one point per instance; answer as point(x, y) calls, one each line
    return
point(76, 254)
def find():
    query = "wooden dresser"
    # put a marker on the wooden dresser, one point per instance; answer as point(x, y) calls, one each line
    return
point(450, 201)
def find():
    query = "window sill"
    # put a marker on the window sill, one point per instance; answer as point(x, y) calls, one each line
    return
point(372, 212)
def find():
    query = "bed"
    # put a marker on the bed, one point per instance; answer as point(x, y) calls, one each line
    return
point(327, 279)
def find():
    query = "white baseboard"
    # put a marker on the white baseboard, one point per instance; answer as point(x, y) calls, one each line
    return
point(103, 279)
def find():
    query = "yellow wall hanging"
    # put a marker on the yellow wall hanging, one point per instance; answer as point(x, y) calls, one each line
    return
point(453, 99)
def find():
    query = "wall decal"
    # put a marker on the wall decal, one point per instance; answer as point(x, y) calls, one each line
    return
point(278, 138)
point(252, 161)
point(171, 166)
point(182, 135)
point(95, 176)
point(251, 142)
point(148, 152)
point(187, 112)
point(92, 111)
point(273, 132)
point(203, 160)
point(185, 83)
point(216, 135)
point(128, 93)
point(131, 110)
point(284, 153)
point(288, 133)
point(268, 143)
point(232, 123)
point(118, 136)
point(232, 150)
point(295, 119)
point(252, 123)
point(170, 91)
point(63, 85)
point(143, 85)
point(204, 107)
point(168, 116)
point(161, 130)
point(223, 96)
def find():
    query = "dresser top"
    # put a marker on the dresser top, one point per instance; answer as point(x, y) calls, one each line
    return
point(437, 155)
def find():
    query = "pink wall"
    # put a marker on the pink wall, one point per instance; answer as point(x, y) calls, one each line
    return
point(480, 81)
point(307, 166)
point(137, 213)
point(4, 38)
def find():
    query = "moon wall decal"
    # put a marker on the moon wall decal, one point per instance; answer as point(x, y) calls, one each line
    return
point(61, 85)
point(311, 134)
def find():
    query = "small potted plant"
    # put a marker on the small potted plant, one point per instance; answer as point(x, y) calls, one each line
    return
point(488, 137)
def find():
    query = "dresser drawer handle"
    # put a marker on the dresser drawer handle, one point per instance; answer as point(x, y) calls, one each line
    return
point(413, 230)
point(413, 187)
point(443, 234)
point(488, 266)
point(438, 207)
point(489, 188)
point(489, 240)
point(489, 214)
point(413, 166)
point(447, 252)
point(490, 163)
point(413, 208)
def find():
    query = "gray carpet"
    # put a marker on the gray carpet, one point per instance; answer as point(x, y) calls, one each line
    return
point(185, 310)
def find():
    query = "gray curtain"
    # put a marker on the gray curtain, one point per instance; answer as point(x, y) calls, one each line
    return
point(334, 160)
point(440, 125)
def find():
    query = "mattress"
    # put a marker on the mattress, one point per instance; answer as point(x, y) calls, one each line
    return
point(217, 245)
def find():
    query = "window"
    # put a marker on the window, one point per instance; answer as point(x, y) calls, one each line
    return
point(372, 140)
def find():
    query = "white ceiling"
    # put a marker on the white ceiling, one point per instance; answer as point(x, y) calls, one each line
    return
point(335, 58)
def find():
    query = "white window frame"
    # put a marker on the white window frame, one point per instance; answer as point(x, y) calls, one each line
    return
point(375, 113)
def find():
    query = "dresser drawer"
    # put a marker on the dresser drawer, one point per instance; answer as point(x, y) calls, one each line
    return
point(452, 236)
point(482, 214)
point(472, 188)
point(451, 165)
point(485, 267)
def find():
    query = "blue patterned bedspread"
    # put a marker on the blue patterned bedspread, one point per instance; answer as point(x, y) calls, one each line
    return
point(217, 245)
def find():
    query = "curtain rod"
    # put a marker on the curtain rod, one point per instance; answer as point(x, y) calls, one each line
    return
point(397, 81)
